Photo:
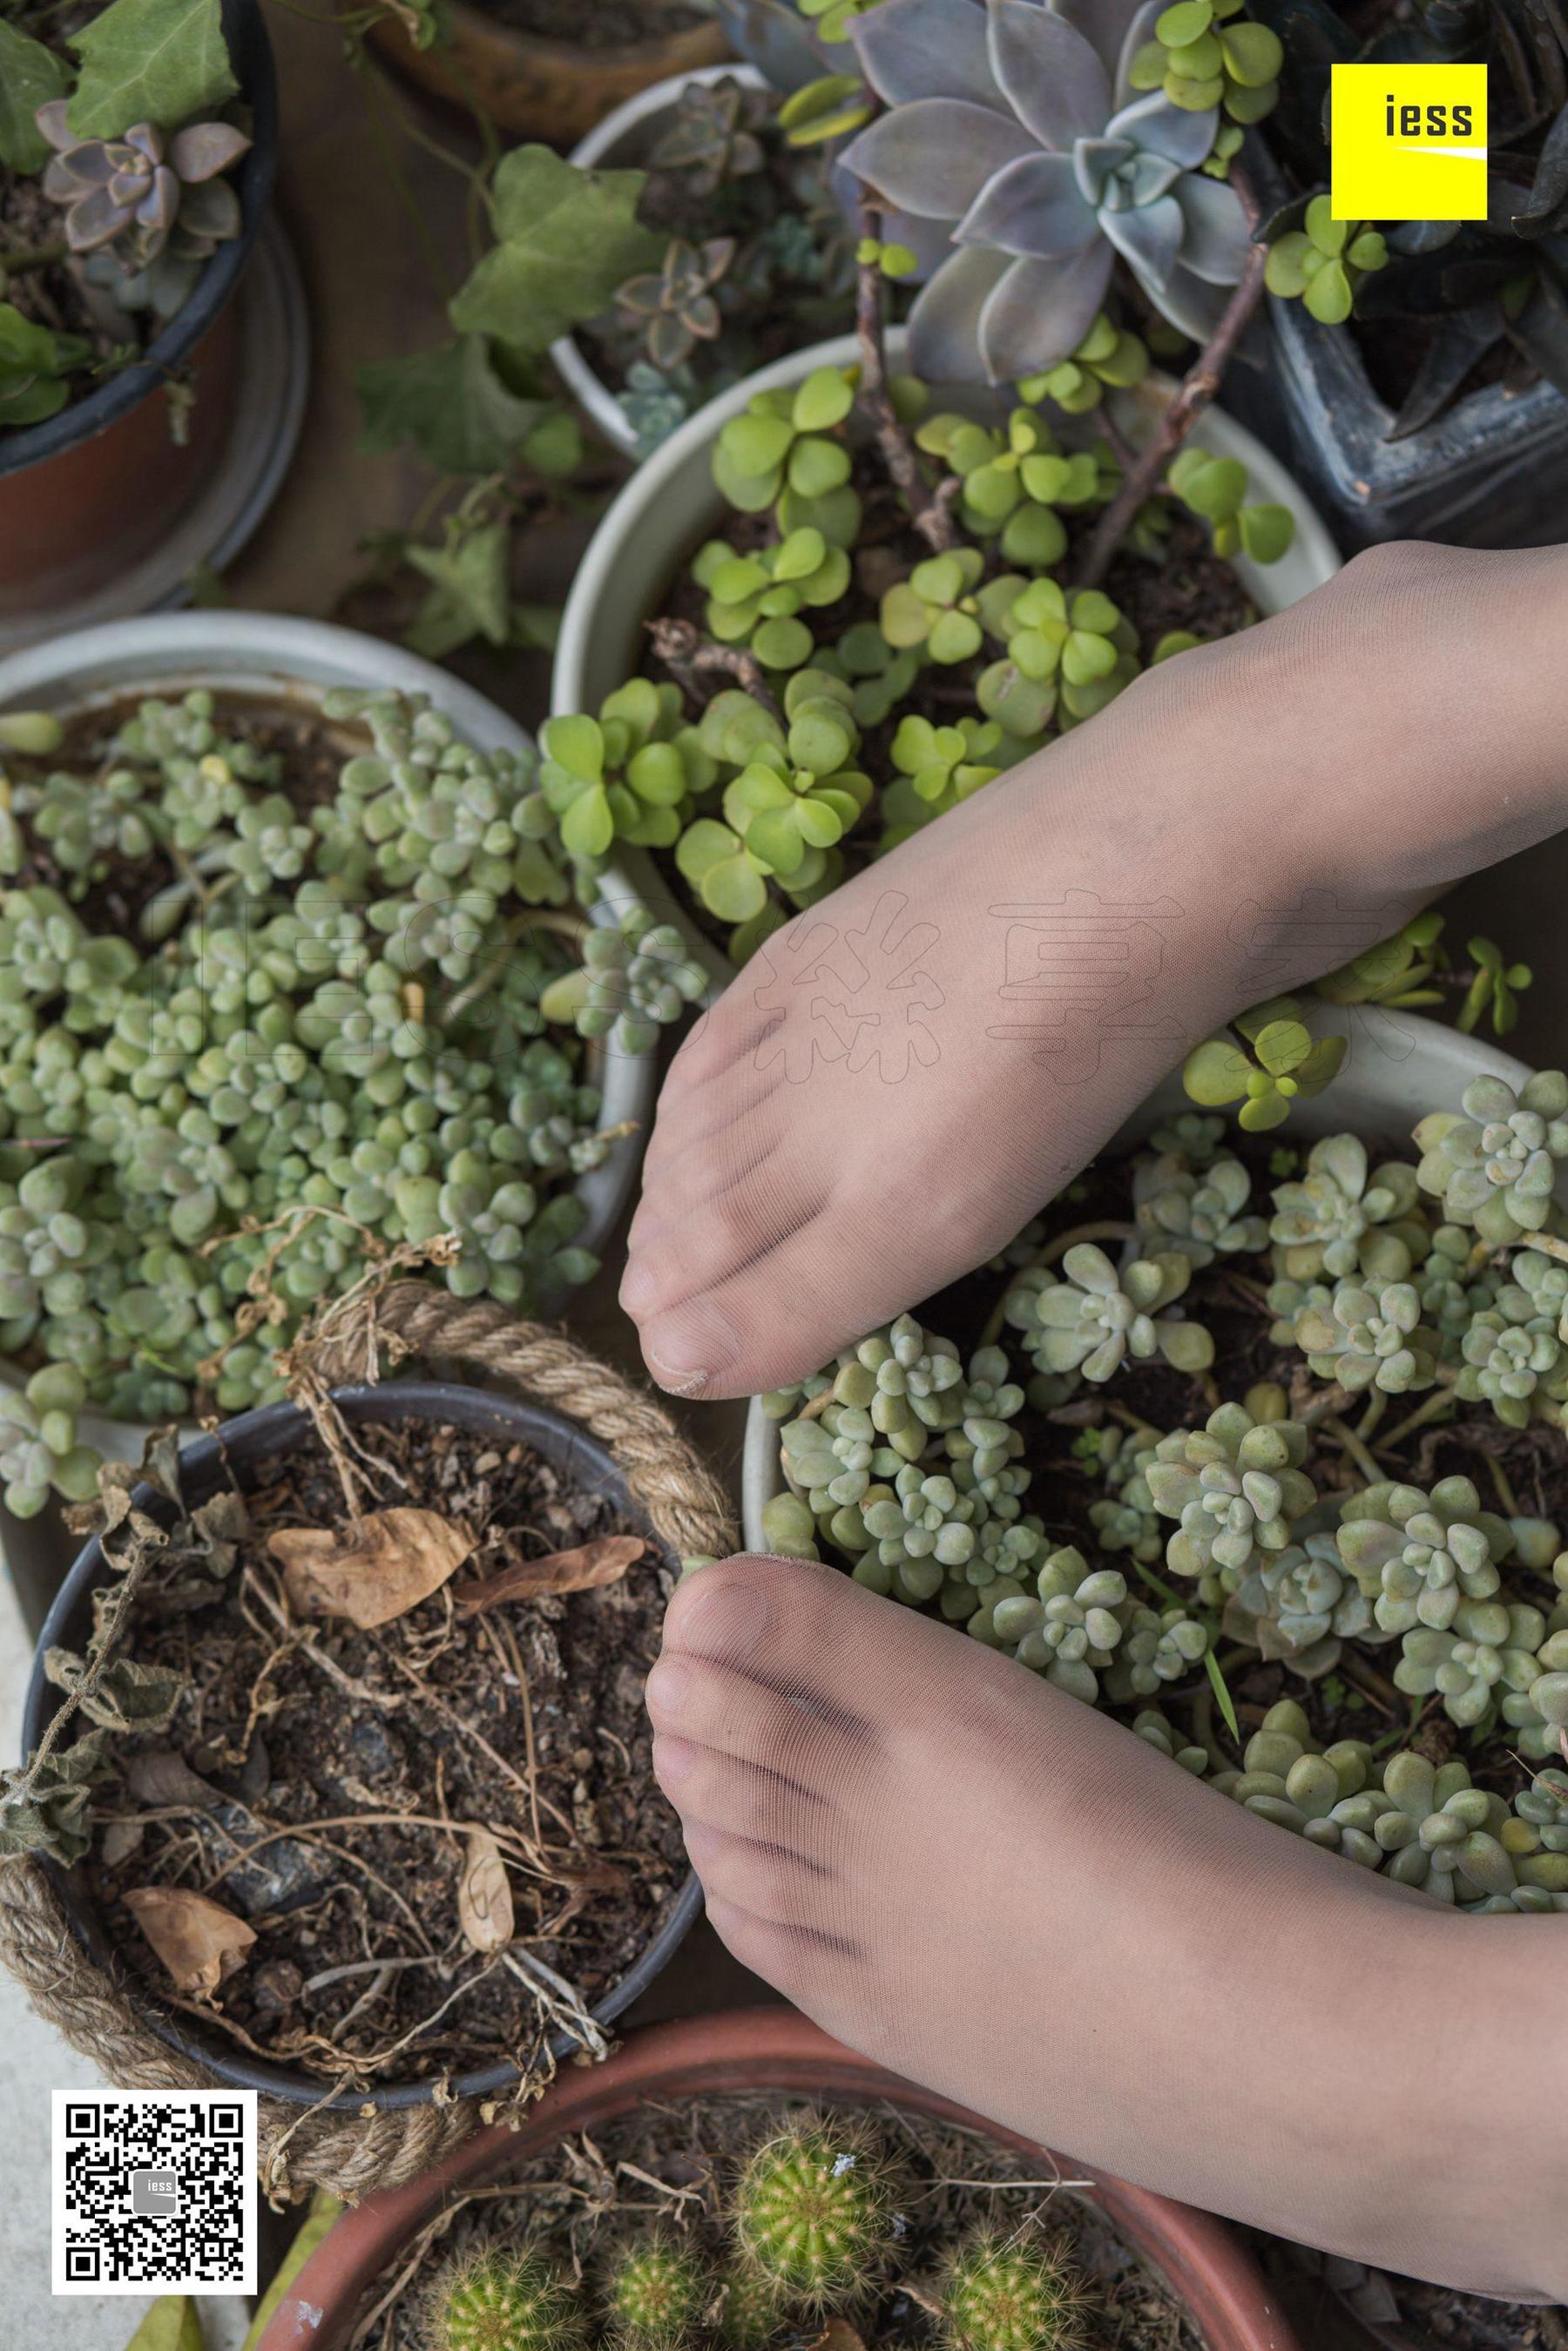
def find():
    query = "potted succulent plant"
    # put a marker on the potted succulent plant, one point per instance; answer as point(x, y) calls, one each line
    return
point(681, 504)
point(1422, 366)
point(1370, 1649)
point(783, 2226)
point(274, 897)
point(541, 70)
point(433, 1859)
point(757, 254)
point(136, 159)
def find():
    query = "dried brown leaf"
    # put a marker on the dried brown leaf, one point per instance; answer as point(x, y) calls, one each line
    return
point(372, 1571)
point(199, 1942)
point(603, 1561)
point(838, 2334)
point(483, 1896)
point(160, 1776)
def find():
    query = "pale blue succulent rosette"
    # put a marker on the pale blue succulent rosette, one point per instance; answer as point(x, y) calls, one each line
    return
point(1021, 163)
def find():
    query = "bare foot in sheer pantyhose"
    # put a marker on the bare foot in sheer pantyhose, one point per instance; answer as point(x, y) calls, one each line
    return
point(896, 1083)
point(968, 1875)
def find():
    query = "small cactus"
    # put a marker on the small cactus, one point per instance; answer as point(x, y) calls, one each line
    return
point(503, 2299)
point(1013, 2294)
point(748, 2314)
point(656, 2295)
point(814, 2213)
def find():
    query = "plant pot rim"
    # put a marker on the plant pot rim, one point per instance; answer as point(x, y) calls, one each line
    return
point(636, 513)
point(281, 652)
point(1399, 1037)
point(596, 147)
point(699, 36)
point(80, 419)
point(760, 2049)
point(257, 1436)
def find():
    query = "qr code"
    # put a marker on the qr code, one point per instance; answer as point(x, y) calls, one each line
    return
point(154, 2189)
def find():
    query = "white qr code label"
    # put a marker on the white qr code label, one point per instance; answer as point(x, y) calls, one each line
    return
point(154, 2191)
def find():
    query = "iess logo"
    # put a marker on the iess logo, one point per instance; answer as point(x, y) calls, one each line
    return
point(1408, 142)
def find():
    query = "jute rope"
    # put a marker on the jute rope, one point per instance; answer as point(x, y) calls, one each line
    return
point(99, 2012)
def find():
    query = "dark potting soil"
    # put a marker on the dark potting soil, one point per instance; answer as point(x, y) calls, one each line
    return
point(670, 2165)
point(1393, 349)
point(599, 24)
point(1342, 2306)
point(324, 1782)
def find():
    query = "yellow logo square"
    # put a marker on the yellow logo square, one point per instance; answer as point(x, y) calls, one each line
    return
point(1408, 142)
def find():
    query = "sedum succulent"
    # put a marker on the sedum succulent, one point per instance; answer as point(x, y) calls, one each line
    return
point(1538, 1715)
point(146, 210)
point(1489, 1651)
point(1237, 1488)
point(672, 308)
point(1419, 1556)
point(1440, 1833)
point(1098, 1317)
point(1494, 1162)
point(1125, 1520)
point(1158, 1646)
point(1068, 1630)
point(634, 980)
point(1026, 145)
point(1298, 1604)
point(1512, 1356)
point(1339, 1216)
point(1365, 1336)
point(1200, 1213)
point(1154, 1730)
point(1285, 1061)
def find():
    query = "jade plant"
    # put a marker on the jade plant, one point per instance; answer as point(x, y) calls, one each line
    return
point(1339, 1572)
point(249, 1045)
point(115, 131)
point(811, 2228)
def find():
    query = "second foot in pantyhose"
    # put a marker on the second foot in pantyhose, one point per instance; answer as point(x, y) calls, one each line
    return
point(968, 1875)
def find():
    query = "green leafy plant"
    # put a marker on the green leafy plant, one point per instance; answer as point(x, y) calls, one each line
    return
point(1208, 53)
point(1285, 1060)
point(1322, 263)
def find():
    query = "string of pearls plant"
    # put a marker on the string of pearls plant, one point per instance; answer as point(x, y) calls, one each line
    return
point(265, 1014)
point(1427, 1625)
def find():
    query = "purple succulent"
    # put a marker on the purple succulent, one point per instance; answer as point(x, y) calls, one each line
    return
point(142, 204)
point(1012, 134)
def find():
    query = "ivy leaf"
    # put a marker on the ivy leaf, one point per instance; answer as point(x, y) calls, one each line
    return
point(472, 598)
point(565, 239)
point(30, 76)
point(158, 61)
point(451, 403)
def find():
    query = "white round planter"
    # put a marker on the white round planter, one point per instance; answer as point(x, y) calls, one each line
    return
point(1398, 1067)
point(298, 661)
point(623, 142)
point(670, 505)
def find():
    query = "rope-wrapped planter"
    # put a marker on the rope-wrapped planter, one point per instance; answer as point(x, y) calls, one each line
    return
point(346, 2143)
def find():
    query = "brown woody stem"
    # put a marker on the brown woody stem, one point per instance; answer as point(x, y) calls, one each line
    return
point(1201, 384)
point(688, 654)
point(929, 509)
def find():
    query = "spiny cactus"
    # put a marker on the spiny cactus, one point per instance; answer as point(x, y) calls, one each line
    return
point(502, 2299)
point(1013, 2294)
point(814, 2211)
point(656, 2293)
point(749, 2315)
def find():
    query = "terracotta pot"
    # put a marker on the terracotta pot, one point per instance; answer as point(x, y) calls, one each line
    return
point(535, 87)
point(761, 2049)
point(90, 491)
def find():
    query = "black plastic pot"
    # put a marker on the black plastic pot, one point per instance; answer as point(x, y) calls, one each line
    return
point(1491, 472)
point(88, 489)
point(244, 1447)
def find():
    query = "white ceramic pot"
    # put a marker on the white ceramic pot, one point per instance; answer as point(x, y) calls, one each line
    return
point(298, 661)
point(670, 505)
point(623, 142)
point(1398, 1067)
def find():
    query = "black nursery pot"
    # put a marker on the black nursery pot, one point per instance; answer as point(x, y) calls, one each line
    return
point(90, 491)
point(243, 1448)
point(1491, 472)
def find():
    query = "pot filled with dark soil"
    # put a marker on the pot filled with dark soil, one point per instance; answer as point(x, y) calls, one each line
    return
point(345, 1791)
point(667, 2173)
point(118, 354)
point(547, 70)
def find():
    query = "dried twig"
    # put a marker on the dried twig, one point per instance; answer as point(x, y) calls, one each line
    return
point(688, 654)
point(1203, 380)
point(931, 511)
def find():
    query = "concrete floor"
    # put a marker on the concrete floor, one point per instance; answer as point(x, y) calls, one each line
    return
point(371, 294)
